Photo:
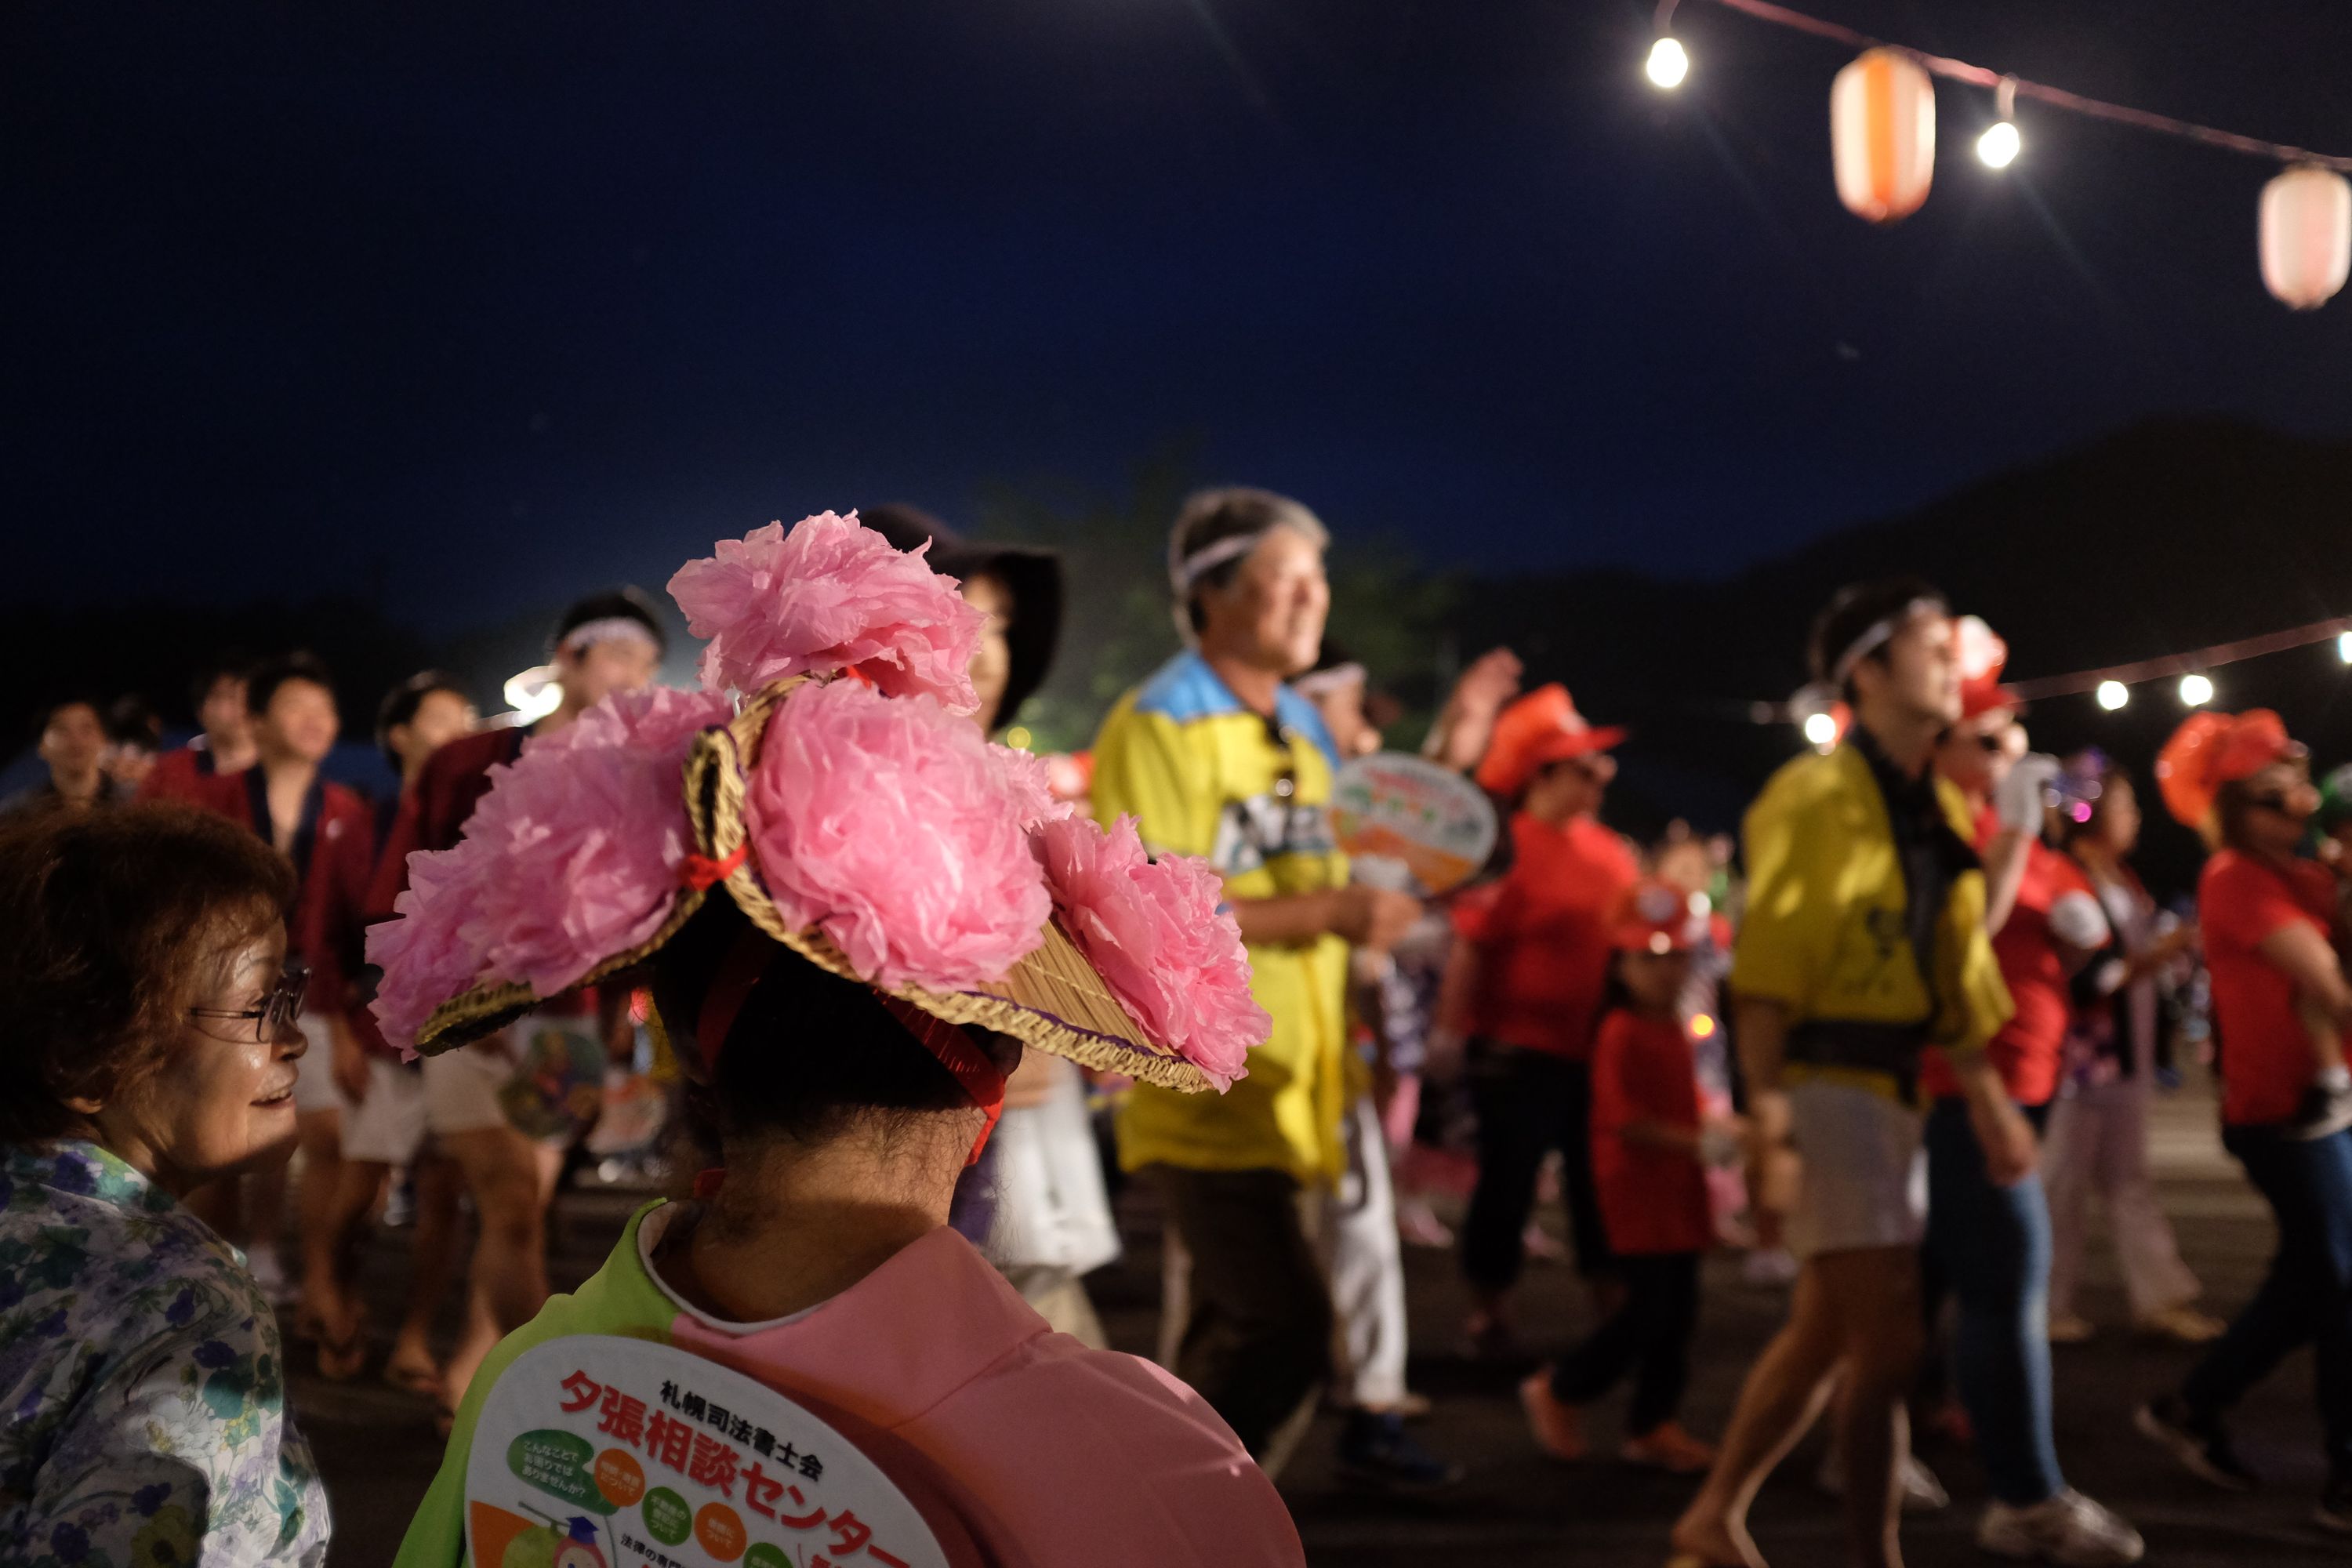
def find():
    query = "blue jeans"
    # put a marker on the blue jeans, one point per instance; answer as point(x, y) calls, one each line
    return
point(1992, 1246)
point(2307, 1298)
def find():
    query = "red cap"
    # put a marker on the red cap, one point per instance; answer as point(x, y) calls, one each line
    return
point(1540, 729)
point(1983, 655)
point(1656, 918)
point(2211, 750)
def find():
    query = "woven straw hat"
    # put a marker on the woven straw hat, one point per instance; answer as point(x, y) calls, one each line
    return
point(1053, 999)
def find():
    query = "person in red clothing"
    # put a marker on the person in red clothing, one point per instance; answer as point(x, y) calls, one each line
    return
point(1651, 1147)
point(225, 744)
point(482, 1102)
point(1524, 986)
point(2265, 914)
point(328, 832)
point(1988, 1242)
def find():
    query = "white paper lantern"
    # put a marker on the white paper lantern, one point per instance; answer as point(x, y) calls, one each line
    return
point(1883, 135)
point(2306, 228)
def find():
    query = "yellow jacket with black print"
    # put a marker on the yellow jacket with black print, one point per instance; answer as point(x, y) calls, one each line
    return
point(1824, 933)
point(1204, 776)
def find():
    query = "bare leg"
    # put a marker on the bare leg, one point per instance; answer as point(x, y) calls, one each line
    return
point(503, 1171)
point(328, 1244)
point(1885, 1339)
point(1782, 1398)
point(432, 1258)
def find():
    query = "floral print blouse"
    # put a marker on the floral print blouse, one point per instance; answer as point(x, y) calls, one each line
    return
point(142, 1392)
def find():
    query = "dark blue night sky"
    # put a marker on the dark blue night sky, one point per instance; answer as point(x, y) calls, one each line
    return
point(476, 305)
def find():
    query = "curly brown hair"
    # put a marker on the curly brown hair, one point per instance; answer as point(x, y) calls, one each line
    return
point(110, 921)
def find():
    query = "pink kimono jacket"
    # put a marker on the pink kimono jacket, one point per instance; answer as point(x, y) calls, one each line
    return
point(1049, 1454)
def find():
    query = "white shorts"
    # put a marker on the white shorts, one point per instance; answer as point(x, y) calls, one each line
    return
point(456, 1091)
point(1863, 1181)
point(314, 1076)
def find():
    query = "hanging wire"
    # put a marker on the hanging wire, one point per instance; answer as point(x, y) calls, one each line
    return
point(2013, 85)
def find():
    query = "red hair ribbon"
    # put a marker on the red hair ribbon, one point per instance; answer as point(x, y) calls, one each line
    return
point(964, 1060)
point(702, 873)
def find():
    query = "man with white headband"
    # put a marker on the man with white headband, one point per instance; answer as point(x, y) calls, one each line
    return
point(606, 643)
point(1864, 944)
point(1217, 755)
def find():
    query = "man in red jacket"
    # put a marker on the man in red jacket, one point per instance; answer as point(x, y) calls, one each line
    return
point(329, 833)
point(226, 743)
point(509, 1143)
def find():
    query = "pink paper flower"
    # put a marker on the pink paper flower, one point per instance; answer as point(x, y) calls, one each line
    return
point(830, 595)
point(574, 856)
point(893, 827)
point(1152, 930)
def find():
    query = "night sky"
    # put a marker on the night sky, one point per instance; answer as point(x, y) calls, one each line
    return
point(477, 306)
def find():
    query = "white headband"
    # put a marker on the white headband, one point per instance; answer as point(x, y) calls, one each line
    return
point(1337, 677)
point(1878, 634)
point(607, 628)
point(1208, 557)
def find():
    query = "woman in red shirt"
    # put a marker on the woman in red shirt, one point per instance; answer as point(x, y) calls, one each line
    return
point(1649, 1148)
point(1524, 986)
point(2265, 917)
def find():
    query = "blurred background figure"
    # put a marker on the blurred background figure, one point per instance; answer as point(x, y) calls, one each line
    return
point(1524, 987)
point(70, 739)
point(223, 741)
point(2098, 1143)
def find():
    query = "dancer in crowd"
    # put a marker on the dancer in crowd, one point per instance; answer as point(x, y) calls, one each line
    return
point(606, 643)
point(2264, 915)
point(840, 1098)
point(1989, 1240)
point(224, 743)
point(386, 1118)
point(134, 738)
point(147, 1047)
point(1651, 1143)
point(416, 719)
point(1216, 756)
point(1863, 943)
point(2097, 1139)
point(326, 831)
point(71, 743)
point(1524, 987)
point(1036, 1198)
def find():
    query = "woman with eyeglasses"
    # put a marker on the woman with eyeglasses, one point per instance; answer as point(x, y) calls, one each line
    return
point(147, 1047)
point(2280, 1007)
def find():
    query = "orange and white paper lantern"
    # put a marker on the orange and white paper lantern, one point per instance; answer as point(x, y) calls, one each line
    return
point(2306, 228)
point(1883, 135)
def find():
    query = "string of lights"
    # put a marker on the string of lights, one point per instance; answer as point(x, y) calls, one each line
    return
point(1882, 141)
point(2110, 685)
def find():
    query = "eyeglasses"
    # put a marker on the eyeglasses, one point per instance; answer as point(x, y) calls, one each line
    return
point(265, 1020)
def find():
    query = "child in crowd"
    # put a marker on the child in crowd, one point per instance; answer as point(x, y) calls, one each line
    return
point(1651, 1145)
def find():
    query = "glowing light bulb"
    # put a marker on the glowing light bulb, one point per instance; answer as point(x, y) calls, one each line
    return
point(534, 693)
point(1820, 729)
point(1702, 1026)
point(2344, 646)
point(1668, 63)
point(2000, 145)
point(2113, 694)
point(2196, 690)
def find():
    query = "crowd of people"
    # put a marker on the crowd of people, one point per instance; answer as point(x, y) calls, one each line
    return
point(899, 985)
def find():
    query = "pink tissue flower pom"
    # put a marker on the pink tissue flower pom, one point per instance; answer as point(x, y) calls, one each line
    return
point(1152, 930)
point(575, 854)
point(830, 595)
point(897, 829)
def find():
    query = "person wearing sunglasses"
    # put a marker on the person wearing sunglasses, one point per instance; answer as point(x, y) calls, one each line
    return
point(1523, 987)
point(147, 1047)
point(2280, 1006)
